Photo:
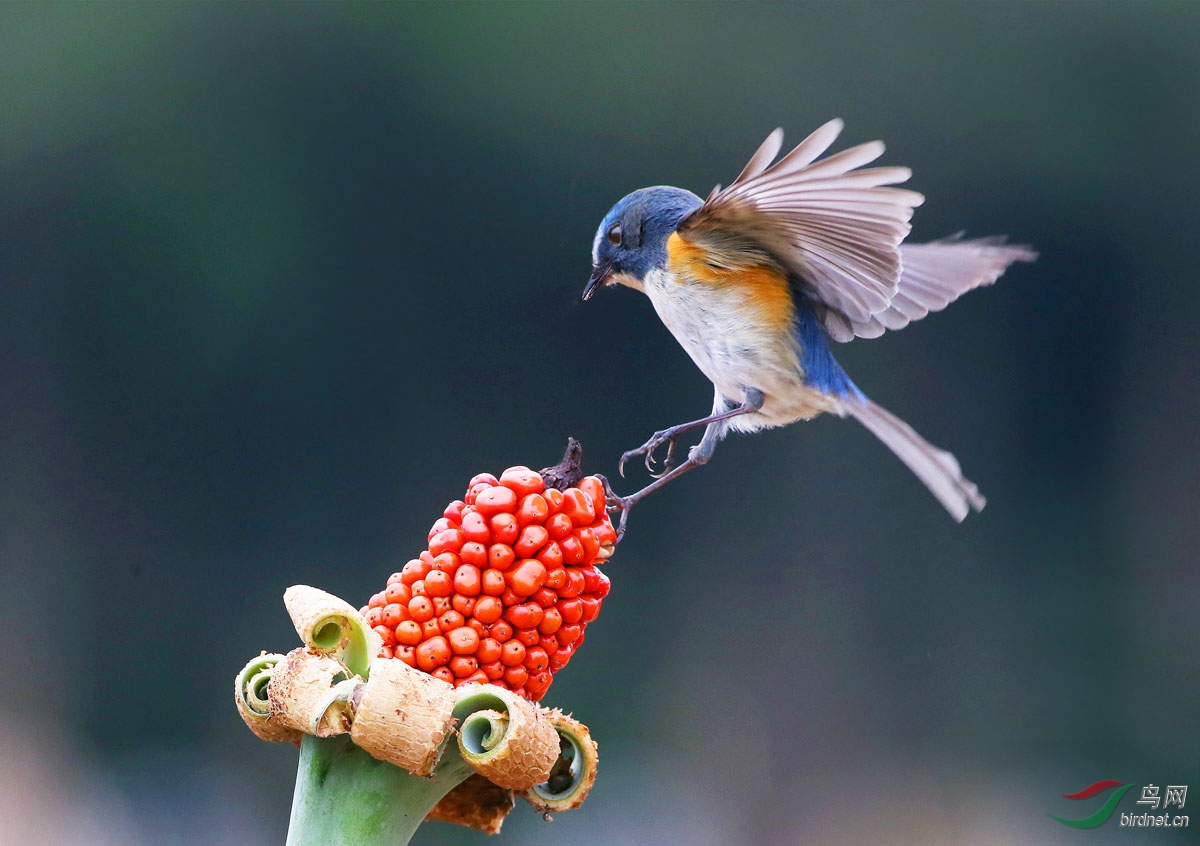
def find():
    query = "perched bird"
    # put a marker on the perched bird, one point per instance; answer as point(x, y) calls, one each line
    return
point(754, 280)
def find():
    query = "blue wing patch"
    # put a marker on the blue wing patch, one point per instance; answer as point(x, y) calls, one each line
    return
point(821, 370)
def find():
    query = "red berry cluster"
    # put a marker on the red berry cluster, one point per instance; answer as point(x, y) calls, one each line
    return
point(507, 586)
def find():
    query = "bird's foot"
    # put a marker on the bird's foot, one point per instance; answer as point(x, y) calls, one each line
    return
point(666, 436)
point(615, 502)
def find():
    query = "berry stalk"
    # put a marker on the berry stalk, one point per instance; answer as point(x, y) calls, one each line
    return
point(346, 797)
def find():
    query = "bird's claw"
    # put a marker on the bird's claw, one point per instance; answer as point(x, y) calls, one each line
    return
point(666, 436)
point(616, 502)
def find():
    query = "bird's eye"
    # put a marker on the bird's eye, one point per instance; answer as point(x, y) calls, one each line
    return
point(614, 234)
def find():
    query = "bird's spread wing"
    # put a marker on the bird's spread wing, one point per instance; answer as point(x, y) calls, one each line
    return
point(938, 273)
point(829, 221)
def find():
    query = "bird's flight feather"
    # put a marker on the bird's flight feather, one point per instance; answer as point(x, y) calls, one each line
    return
point(936, 274)
point(828, 220)
point(839, 230)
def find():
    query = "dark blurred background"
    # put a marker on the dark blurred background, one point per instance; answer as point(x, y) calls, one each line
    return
point(277, 280)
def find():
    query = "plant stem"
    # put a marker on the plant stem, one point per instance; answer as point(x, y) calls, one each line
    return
point(345, 797)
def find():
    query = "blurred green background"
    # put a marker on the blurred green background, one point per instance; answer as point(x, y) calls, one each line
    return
point(276, 280)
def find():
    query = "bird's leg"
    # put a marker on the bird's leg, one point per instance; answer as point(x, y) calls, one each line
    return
point(699, 454)
point(721, 411)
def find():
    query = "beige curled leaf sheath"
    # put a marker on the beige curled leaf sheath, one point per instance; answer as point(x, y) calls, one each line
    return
point(332, 626)
point(574, 772)
point(403, 716)
point(311, 693)
point(507, 739)
point(253, 704)
point(476, 803)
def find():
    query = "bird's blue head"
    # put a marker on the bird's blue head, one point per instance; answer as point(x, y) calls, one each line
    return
point(632, 239)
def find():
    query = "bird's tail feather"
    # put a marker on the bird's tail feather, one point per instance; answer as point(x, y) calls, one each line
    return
point(935, 467)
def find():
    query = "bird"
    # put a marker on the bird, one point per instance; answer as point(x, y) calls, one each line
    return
point(756, 280)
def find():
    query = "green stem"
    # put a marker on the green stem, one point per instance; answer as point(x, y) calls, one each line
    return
point(345, 797)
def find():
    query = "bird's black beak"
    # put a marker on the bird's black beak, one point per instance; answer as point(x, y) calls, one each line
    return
point(600, 274)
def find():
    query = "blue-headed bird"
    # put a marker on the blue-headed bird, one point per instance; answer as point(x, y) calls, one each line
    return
point(755, 279)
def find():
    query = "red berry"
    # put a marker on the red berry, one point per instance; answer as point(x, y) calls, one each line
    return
point(413, 571)
point(450, 540)
point(524, 616)
point(463, 604)
point(482, 478)
point(571, 610)
point(438, 583)
point(536, 659)
point(522, 481)
point(474, 553)
point(475, 528)
point(453, 511)
point(501, 556)
point(591, 608)
point(532, 539)
point(551, 621)
point(501, 630)
point(551, 555)
point(468, 580)
point(603, 585)
point(578, 506)
point(420, 608)
point(594, 488)
point(512, 654)
point(489, 650)
point(488, 609)
point(475, 490)
point(574, 583)
point(572, 549)
point(408, 633)
point(590, 545)
point(559, 526)
point(433, 653)
point(527, 577)
point(397, 591)
point(556, 578)
point(439, 525)
point(532, 510)
point(393, 615)
point(504, 527)
point(495, 500)
point(554, 499)
point(463, 641)
point(560, 658)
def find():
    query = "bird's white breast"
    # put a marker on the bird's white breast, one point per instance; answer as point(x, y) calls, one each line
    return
point(717, 326)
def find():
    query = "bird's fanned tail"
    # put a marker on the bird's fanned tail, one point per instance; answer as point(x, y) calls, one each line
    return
point(935, 467)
